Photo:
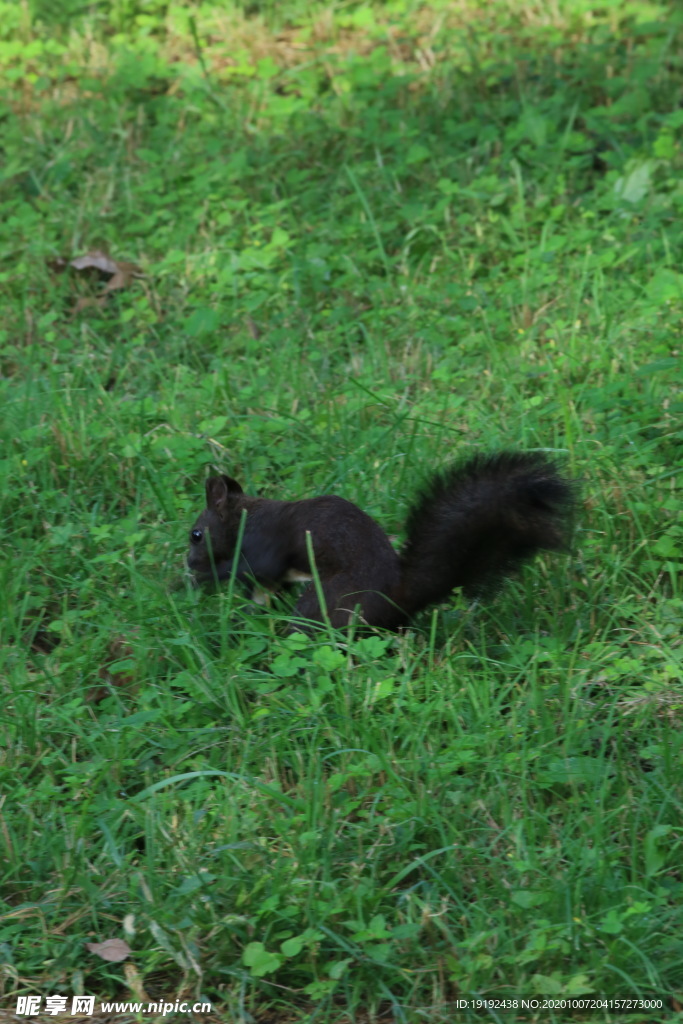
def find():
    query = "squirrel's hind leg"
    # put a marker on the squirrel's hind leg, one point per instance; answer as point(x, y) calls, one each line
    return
point(345, 603)
point(308, 607)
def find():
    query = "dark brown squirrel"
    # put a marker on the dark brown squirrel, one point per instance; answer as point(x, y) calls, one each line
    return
point(473, 524)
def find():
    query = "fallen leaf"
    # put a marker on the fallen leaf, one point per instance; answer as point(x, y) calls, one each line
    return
point(135, 984)
point(115, 671)
point(123, 276)
point(120, 275)
point(84, 302)
point(95, 260)
point(254, 329)
point(113, 950)
point(58, 265)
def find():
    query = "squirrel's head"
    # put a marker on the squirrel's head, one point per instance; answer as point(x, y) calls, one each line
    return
point(214, 535)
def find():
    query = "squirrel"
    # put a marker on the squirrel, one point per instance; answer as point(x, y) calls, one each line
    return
point(473, 523)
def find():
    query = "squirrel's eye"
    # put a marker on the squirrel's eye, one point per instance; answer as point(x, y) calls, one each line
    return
point(196, 536)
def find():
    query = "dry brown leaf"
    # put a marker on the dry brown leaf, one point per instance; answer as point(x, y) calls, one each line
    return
point(113, 950)
point(95, 260)
point(58, 265)
point(85, 301)
point(135, 983)
point(120, 275)
point(253, 328)
point(123, 276)
point(110, 674)
point(98, 260)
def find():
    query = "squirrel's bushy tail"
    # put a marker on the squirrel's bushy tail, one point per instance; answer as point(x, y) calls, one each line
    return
point(478, 521)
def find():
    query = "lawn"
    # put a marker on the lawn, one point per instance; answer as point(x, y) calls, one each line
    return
point(339, 245)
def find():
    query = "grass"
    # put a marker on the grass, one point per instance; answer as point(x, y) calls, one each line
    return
point(372, 237)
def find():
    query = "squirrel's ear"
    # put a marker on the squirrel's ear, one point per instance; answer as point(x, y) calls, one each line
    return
point(232, 485)
point(219, 489)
